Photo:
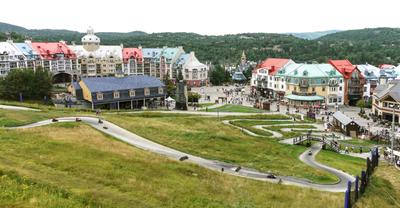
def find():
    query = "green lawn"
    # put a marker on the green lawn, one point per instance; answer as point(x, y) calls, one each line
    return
point(73, 165)
point(236, 108)
point(209, 138)
point(383, 189)
point(203, 105)
point(351, 165)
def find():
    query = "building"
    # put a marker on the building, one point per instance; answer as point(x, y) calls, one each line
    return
point(57, 58)
point(386, 101)
point(371, 75)
point(346, 125)
point(133, 61)
point(10, 58)
point(265, 82)
point(312, 85)
point(95, 59)
point(353, 80)
point(128, 92)
point(32, 58)
point(194, 72)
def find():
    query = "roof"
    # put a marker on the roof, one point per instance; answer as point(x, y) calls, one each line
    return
point(309, 70)
point(392, 89)
point(102, 52)
point(10, 49)
point(182, 59)
point(345, 67)
point(369, 71)
point(151, 52)
point(27, 50)
point(128, 53)
point(238, 76)
point(171, 53)
point(193, 63)
point(274, 64)
point(344, 119)
point(386, 66)
point(76, 85)
point(105, 84)
point(47, 50)
point(304, 98)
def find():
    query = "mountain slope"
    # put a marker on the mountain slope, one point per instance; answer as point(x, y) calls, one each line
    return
point(313, 35)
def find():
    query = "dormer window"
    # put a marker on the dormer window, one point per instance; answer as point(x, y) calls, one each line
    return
point(160, 90)
point(305, 73)
point(116, 94)
point(99, 96)
point(132, 93)
point(146, 91)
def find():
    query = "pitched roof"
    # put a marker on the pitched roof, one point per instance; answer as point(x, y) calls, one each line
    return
point(192, 62)
point(274, 64)
point(310, 70)
point(10, 49)
point(369, 71)
point(151, 52)
point(341, 118)
point(102, 52)
point(127, 53)
point(344, 119)
point(27, 50)
point(345, 67)
point(393, 90)
point(105, 84)
point(47, 50)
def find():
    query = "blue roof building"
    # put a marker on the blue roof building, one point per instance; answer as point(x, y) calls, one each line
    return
point(123, 92)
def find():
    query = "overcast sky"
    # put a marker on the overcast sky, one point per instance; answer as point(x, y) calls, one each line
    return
point(202, 16)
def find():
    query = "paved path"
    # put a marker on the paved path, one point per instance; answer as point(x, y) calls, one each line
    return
point(8, 107)
point(140, 142)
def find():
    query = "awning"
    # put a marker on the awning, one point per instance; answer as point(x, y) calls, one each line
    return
point(305, 98)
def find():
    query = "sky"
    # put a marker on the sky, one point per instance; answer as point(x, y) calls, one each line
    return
point(207, 17)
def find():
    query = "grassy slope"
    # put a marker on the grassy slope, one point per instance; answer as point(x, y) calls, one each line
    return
point(351, 165)
point(209, 138)
point(383, 190)
point(235, 108)
point(72, 165)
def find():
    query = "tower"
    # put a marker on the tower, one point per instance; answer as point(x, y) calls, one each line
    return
point(90, 41)
point(243, 60)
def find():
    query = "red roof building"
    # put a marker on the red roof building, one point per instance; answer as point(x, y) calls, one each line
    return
point(53, 50)
point(353, 80)
point(131, 53)
point(133, 61)
point(273, 65)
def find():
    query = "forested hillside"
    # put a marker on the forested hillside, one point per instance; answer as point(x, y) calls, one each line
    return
point(375, 46)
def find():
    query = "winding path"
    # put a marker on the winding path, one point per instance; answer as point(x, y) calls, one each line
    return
point(140, 142)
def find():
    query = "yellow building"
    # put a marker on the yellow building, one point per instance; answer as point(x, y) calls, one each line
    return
point(312, 84)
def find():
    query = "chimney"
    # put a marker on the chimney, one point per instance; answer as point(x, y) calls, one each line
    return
point(191, 53)
point(63, 42)
point(140, 47)
point(122, 45)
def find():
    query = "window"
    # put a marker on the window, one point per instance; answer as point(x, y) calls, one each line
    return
point(132, 93)
point(341, 81)
point(146, 91)
point(313, 89)
point(323, 89)
point(365, 89)
point(340, 88)
point(99, 96)
point(160, 90)
point(339, 99)
point(116, 94)
point(281, 86)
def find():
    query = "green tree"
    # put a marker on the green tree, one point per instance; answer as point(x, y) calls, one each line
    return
point(361, 105)
point(193, 97)
point(219, 76)
point(33, 85)
point(171, 88)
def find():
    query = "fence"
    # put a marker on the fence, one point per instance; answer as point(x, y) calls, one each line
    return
point(357, 188)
